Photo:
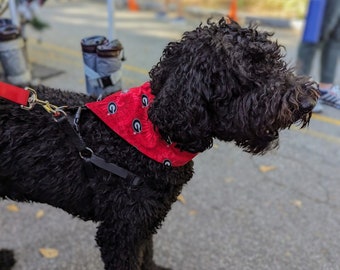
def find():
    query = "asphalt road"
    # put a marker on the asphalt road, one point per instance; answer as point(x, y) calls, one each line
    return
point(278, 211)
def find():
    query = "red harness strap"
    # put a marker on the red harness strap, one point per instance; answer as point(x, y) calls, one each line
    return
point(14, 93)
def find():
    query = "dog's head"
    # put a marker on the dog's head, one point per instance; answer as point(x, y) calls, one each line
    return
point(230, 83)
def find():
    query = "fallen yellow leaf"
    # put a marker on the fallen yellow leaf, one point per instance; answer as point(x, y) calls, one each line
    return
point(192, 212)
point(229, 180)
point(39, 214)
point(265, 169)
point(49, 253)
point(12, 208)
point(288, 254)
point(297, 203)
point(181, 198)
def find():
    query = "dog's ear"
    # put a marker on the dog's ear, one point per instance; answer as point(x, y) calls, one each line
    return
point(180, 112)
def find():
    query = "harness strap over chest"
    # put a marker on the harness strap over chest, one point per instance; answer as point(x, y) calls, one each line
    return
point(71, 129)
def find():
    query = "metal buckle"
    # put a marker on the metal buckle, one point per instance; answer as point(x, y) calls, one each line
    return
point(50, 108)
point(86, 153)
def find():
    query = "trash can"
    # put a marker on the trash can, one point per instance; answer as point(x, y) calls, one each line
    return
point(102, 65)
point(12, 56)
point(109, 66)
point(89, 51)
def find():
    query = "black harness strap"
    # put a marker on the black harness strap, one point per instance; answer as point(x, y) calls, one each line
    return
point(65, 124)
point(111, 167)
point(70, 127)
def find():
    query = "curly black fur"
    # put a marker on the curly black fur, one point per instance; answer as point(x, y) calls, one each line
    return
point(220, 81)
point(7, 259)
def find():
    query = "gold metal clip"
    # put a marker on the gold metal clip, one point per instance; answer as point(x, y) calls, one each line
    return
point(33, 100)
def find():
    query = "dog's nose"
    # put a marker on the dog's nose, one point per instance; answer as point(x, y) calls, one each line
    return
point(308, 104)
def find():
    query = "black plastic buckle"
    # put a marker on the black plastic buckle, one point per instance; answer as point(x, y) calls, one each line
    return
point(105, 82)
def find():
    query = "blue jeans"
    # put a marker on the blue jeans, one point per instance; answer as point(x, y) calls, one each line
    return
point(329, 45)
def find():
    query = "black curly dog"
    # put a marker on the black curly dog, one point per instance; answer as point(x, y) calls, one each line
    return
point(219, 81)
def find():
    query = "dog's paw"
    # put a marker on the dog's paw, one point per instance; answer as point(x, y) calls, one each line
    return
point(6, 259)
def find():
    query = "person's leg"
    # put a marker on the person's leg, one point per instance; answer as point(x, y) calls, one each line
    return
point(331, 38)
point(305, 57)
point(329, 59)
point(330, 93)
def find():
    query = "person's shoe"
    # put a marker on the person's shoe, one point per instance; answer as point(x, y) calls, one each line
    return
point(317, 108)
point(331, 97)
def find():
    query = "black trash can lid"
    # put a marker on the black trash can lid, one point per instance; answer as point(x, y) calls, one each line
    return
point(110, 49)
point(9, 32)
point(89, 44)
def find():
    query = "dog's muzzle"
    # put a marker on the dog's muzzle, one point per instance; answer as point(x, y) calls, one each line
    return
point(307, 105)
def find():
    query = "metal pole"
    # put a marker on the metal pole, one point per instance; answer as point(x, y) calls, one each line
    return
point(110, 13)
point(13, 12)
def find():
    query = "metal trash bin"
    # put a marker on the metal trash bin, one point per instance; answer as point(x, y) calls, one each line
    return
point(12, 56)
point(89, 50)
point(109, 66)
point(102, 65)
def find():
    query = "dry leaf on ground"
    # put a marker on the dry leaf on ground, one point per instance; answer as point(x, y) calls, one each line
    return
point(39, 214)
point(265, 169)
point(181, 198)
point(229, 180)
point(49, 253)
point(192, 212)
point(12, 208)
point(297, 203)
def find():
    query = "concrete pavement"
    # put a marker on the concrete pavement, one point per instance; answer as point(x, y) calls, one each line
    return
point(278, 211)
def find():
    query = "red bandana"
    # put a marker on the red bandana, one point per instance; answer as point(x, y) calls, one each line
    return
point(126, 114)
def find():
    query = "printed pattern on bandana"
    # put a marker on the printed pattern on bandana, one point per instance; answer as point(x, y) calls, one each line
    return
point(126, 114)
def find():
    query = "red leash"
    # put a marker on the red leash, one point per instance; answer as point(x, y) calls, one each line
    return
point(14, 93)
point(28, 98)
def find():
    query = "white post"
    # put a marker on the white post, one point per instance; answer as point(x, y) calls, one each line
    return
point(110, 13)
point(13, 12)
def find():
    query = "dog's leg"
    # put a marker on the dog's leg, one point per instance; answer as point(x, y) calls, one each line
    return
point(124, 247)
point(120, 245)
point(148, 263)
point(6, 259)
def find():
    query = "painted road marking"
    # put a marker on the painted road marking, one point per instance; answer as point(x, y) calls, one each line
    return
point(326, 119)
